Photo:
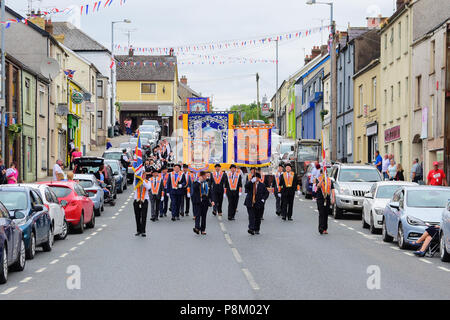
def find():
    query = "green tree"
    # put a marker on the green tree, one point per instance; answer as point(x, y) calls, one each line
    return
point(250, 113)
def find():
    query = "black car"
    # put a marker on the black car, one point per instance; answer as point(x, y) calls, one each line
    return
point(90, 165)
point(12, 245)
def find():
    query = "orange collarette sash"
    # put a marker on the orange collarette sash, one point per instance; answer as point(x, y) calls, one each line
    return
point(155, 189)
point(217, 181)
point(141, 196)
point(233, 181)
point(289, 179)
point(277, 180)
point(175, 182)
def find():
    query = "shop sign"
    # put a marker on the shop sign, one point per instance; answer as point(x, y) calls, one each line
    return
point(392, 134)
point(77, 97)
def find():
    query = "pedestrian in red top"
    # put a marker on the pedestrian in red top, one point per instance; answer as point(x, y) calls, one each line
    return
point(436, 176)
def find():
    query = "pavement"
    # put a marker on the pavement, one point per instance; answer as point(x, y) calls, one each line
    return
point(288, 260)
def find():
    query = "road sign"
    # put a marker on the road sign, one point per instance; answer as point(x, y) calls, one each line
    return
point(165, 111)
point(265, 109)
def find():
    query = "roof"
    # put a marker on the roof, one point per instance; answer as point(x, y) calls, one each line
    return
point(401, 183)
point(76, 39)
point(82, 176)
point(157, 68)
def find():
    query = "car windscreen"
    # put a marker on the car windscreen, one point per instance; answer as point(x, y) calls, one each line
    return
point(147, 129)
point(428, 198)
point(387, 192)
point(359, 175)
point(61, 192)
point(113, 155)
point(307, 153)
point(286, 148)
point(86, 183)
point(114, 166)
point(14, 200)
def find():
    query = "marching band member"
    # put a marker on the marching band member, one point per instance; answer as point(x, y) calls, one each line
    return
point(156, 194)
point(217, 188)
point(289, 185)
point(165, 201)
point(201, 201)
point(276, 188)
point(257, 194)
point(140, 205)
point(175, 186)
point(325, 199)
point(233, 187)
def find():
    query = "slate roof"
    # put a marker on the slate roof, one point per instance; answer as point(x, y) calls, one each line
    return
point(75, 38)
point(128, 72)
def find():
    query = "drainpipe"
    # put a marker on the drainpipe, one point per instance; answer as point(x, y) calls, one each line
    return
point(35, 127)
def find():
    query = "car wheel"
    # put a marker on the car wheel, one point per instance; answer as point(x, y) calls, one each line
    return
point(115, 196)
point(372, 228)
point(64, 231)
point(19, 265)
point(91, 223)
point(81, 226)
point(47, 245)
point(120, 190)
point(385, 236)
point(337, 212)
point(4, 266)
point(400, 238)
point(125, 186)
point(97, 212)
point(364, 223)
point(102, 208)
point(31, 252)
point(445, 256)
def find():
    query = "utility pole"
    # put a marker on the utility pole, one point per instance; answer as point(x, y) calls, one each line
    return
point(3, 81)
point(258, 110)
point(277, 108)
point(333, 93)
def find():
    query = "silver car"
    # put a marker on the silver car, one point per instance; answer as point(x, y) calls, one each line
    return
point(351, 183)
point(95, 192)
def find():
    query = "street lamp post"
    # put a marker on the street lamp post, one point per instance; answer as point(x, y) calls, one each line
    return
point(112, 115)
point(333, 74)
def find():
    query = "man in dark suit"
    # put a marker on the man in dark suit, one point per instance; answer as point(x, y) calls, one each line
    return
point(277, 189)
point(218, 181)
point(289, 184)
point(164, 202)
point(201, 197)
point(257, 195)
point(175, 187)
point(156, 194)
point(184, 209)
point(233, 187)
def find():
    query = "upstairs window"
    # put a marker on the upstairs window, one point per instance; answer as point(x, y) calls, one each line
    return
point(148, 88)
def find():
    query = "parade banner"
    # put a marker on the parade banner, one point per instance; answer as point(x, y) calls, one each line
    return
point(252, 145)
point(198, 105)
point(206, 139)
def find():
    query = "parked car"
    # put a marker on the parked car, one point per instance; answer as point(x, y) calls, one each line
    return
point(154, 123)
point(351, 183)
point(12, 244)
point(116, 154)
point(95, 192)
point(375, 202)
point(146, 128)
point(144, 142)
point(90, 165)
point(306, 179)
point(26, 205)
point(152, 139)
point(119, 174)
point(410, 211)
point(128, 146)
point(444, 234)
point(56, 211)
point(79, 208)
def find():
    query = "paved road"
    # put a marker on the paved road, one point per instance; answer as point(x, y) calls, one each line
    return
point(288, 260)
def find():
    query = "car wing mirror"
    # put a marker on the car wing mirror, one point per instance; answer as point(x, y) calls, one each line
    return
point(18, 215)
point(38, 207)
point(394, 205)
point(368, 195)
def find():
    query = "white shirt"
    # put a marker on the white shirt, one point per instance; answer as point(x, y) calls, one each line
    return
point(147, 186)
point(315, 174)
point(57, 169)
point(124, 157)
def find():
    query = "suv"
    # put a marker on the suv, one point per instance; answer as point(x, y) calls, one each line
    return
point(351, 183)
point(90, 165)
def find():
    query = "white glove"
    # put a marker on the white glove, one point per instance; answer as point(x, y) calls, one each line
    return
point(240, 194)
point(188, 195)
point(162, 198)
point(298, 193)
point(253, 180)
point(279, 195)
point(180, 185)
point(262, 200)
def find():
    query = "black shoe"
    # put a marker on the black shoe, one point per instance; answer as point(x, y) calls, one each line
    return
point(262, 218)
point(186, 214)
point(256, 232)
point(152, 219)
point(165, 214)
point(161, 216)
point(196, 231)
point(137, 234)
point(290, 219)
point(178, 218)
point(278, 214)
point(182, 214)
point(251, 232)
point(284, 218)
point(214, 213)
point(173, 219)
point(143, 235)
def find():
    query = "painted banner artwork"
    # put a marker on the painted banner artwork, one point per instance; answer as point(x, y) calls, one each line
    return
point(252, 145)
point(198, 104)
point(206, 138)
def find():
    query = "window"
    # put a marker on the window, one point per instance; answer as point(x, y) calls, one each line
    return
point(148, 88)
point(100, 88)
point(58, 96)
point(359, 149)
point(27, 95)
point(43, 154)
point(385, 41)
point(418, 91)
point(374, 93)
point(93, 85)
point(348, 91)
point(361, 101)
point(385, 97)
point(349, 139)
point(99, 119)
point(431, 118)
point(41, 100)
point(406, 85)
point(92, 124)
point(339, 139)
point(340, 96)
point(399, 39)
point(432, 55)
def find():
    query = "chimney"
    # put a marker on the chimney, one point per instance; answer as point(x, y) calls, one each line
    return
point(183, 80)
point(38, 19)
point(315, 52)
point(307, 59)
point(131, 52)
point(323, 50)
point(49, 26)
point(400, 3)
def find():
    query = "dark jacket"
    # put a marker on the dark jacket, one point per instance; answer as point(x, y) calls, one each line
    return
point(196, 194)
point(171, 189)
point(160, 189)
point(288, 191)
point(218, 187)
point(228, 186)
point(261, 194)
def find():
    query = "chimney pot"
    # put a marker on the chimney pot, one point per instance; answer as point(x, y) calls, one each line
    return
point(131, 52)
point(183, 80)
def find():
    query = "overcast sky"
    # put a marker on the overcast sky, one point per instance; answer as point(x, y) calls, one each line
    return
point(178, 22)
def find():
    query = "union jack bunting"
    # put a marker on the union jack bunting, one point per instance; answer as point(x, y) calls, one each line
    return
point(138, 164)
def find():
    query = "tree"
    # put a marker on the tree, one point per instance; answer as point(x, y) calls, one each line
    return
point(250, 113)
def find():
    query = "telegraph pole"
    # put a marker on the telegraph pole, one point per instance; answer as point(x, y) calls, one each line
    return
point(277, 109)
point(3, 81)
point(257, 95)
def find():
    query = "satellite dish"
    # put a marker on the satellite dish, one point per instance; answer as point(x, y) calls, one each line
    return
point(50, 68)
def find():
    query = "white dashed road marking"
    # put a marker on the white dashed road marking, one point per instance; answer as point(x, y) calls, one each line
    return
point(80, 243)
point(444, 269)
point(26, 279)
point(236, 255)
point(87, 238)
point(350, 228)
point(54, 261)
point(426, 261)
point(8, 291)
point(409, 254)
point(222, 226)
point(93, 233)
point(73, 249)
point(250, 279)
point(63, 255)
point(227, 237)
point(99, 229)
point(395, 248)
point(113, 217)
point(40, 270)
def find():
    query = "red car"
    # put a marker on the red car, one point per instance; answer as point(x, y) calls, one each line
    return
point(77, 205)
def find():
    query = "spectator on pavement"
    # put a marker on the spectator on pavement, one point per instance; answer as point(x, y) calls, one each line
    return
point(108, 144)
point(2, 172)
point(71, 150)
point(436, 176)
point(399, 176)
point(392, 170)
point(378, 161)
point(416, 171)
point(76, 154)
point(57, 168)
point(385, 165)
point(12, 174)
